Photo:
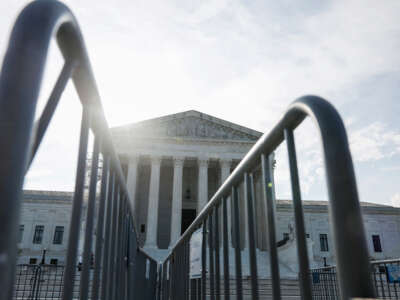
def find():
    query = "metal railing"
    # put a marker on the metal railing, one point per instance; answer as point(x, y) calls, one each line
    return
point(350, 245)
point(120, 265)
point(34, 282)
point(387, 286)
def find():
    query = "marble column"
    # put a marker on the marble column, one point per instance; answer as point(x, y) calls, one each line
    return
point(152, 212)
point(176, 212)
point(243, 192)
point(132, 179)
point(202, 184)
point(225, 165)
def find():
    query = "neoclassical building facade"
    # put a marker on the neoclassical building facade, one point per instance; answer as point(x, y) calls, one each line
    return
point(173, 165)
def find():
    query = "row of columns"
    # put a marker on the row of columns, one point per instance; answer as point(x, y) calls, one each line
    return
point(176, 213)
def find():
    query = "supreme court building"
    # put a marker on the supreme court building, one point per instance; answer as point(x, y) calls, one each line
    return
point(173, 165)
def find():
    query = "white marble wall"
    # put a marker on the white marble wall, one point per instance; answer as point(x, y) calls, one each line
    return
point(378, 220)
point(49, 214)
point(384, 224)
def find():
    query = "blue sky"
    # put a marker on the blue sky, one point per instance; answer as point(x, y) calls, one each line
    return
point(243, 62)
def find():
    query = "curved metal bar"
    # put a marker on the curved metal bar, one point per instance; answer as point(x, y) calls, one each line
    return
point(20, 82)
point(22, 73)
point(345, 213)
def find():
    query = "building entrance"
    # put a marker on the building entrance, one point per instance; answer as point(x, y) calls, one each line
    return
point(188, 215)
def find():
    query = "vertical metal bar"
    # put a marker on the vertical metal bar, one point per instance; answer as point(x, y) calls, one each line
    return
point(161, 282)
point(270, 214)
point(140, 278)
point(174, 263)
point(382, 287)
point(324, 289)
point(126, 250)
point(119, 249)
point(153, 278)
point(114, 231)
point(148, 279)
point(226, 248)
point(76, 207)
point(84, 286)
point(394, 286)
point(170, 278)
point(181, 283)
point(375, 280)
point(51, 106)
point(248, 187)
point(203, 262)
point(336, 283)
point(304, 266)
point(387, 283)
point(107, 240)
point(211, 256)
point(178, 272)
point(217, 264)
point(187, 268)
point(38, 282)
point(132, 260)
point(238, 258)
point(198, 289)
point(99, 229)
point(166, 280)
point(185, 273)
point(174, 275)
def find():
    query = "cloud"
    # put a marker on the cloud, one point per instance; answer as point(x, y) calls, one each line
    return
point(309, 161)
point(395, 200)
point(244, 62)
point(374, 142)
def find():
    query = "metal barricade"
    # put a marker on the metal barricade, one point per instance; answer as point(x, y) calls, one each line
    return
point(350, 245)
point(387, 285)
point(384, 274)
point(324, 283)
point(117, 256)
point(34, 282)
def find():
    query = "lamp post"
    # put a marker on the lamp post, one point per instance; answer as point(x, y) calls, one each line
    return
point(43, 256)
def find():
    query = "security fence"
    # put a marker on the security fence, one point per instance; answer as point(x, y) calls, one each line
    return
point(121, 269)
point(385, 276)
point(46, 282)
point(351, 252)
point(34, 282)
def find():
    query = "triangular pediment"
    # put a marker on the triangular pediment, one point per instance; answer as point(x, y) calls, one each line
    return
point(191, 125)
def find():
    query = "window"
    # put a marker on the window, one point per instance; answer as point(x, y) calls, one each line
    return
point(32, 261)
point(21, 233)
point(377, 243)
point(58, 235)
point(142, 228)
point(285, 236)
point(323, 240)
point(54, 261)
point(38, 236)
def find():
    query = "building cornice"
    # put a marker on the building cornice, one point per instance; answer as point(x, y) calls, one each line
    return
point(322, 207)
point(185, 114)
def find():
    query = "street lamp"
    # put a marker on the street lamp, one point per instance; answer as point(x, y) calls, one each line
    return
point(43, 256)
